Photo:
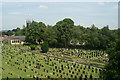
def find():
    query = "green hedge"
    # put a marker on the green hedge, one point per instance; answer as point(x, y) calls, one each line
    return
point(32, 47)
point(45, 47)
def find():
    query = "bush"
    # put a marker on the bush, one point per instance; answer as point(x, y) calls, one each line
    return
point(32, 47)
point(45, 47)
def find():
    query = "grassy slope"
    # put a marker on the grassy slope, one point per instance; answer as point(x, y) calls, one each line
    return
point(15, 71)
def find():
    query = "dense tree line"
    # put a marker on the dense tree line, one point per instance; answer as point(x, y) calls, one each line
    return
point(112, 69)
point(65, 34)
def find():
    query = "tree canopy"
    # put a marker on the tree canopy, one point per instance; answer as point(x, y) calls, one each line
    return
point(65, 34)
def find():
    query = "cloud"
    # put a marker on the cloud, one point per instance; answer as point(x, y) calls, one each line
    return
point(43, 7)
point(101, 3)
point(15, 13)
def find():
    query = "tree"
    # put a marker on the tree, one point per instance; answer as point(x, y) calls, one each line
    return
point(9, 32)
point(105, 37)
point(74, 41)
point(64, 29)
point(50, 36)
point(112, 69)
point(35, 32)
point(18, 32)
point(32, 47)
point(91, 37)
point(76, 35)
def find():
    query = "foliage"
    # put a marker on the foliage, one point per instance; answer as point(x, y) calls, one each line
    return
point(64, 32)
point(50, 36)
point(32, 47)
point(112, 69)
point(35, 32)
point(45, 47)
point(64, 29)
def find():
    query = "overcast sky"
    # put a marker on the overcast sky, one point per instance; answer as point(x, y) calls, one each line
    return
point(14, 14)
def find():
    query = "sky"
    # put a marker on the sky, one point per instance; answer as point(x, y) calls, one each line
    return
point(59, 0)
point(14, 14)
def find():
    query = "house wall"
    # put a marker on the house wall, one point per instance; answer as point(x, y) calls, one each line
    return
point(15, 41)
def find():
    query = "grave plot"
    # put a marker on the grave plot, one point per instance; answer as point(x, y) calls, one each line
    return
point(20, 62)
point(91, 57)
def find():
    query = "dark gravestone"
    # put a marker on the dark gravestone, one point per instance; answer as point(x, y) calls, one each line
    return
point(71, 75)
point(53, 73)
point(81, 67)
point(69, 71)
point(68, 67)
point(48, 77)
point(89, 67)
point(53, 69)
point(72, 72)
point(56, 70)
point(44, 70)
point(84, 68)
point(25, 70)
point(61, 65)
point(75, 69)
point(76, 73)
point(47, 71)
point(96, 70)
point(50, 68)
point(63, 72)
point(85, 76)
point(91, 76)
point(25, 66)
point(31, 69)
point(74, 65)
point(29, 64)
point(81, 77)
point(92, 70)
point(59, 71)
point(42, 65)
point(60, 76)
point(75, 76)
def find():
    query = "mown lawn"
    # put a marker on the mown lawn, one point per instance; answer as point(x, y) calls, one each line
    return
point(20, 61)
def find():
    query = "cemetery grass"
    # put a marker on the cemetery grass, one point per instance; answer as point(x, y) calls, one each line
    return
point(19, 61)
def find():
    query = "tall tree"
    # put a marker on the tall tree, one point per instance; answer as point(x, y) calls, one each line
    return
point(112, 69)
point(50, 36)
point(64, 29)
point(35, 32)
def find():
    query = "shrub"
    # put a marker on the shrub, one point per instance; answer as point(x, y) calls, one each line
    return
point(45, 47)
point(32, 47)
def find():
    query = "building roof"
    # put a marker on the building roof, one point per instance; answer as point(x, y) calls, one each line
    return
point(16, 37)
point(3, 35)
